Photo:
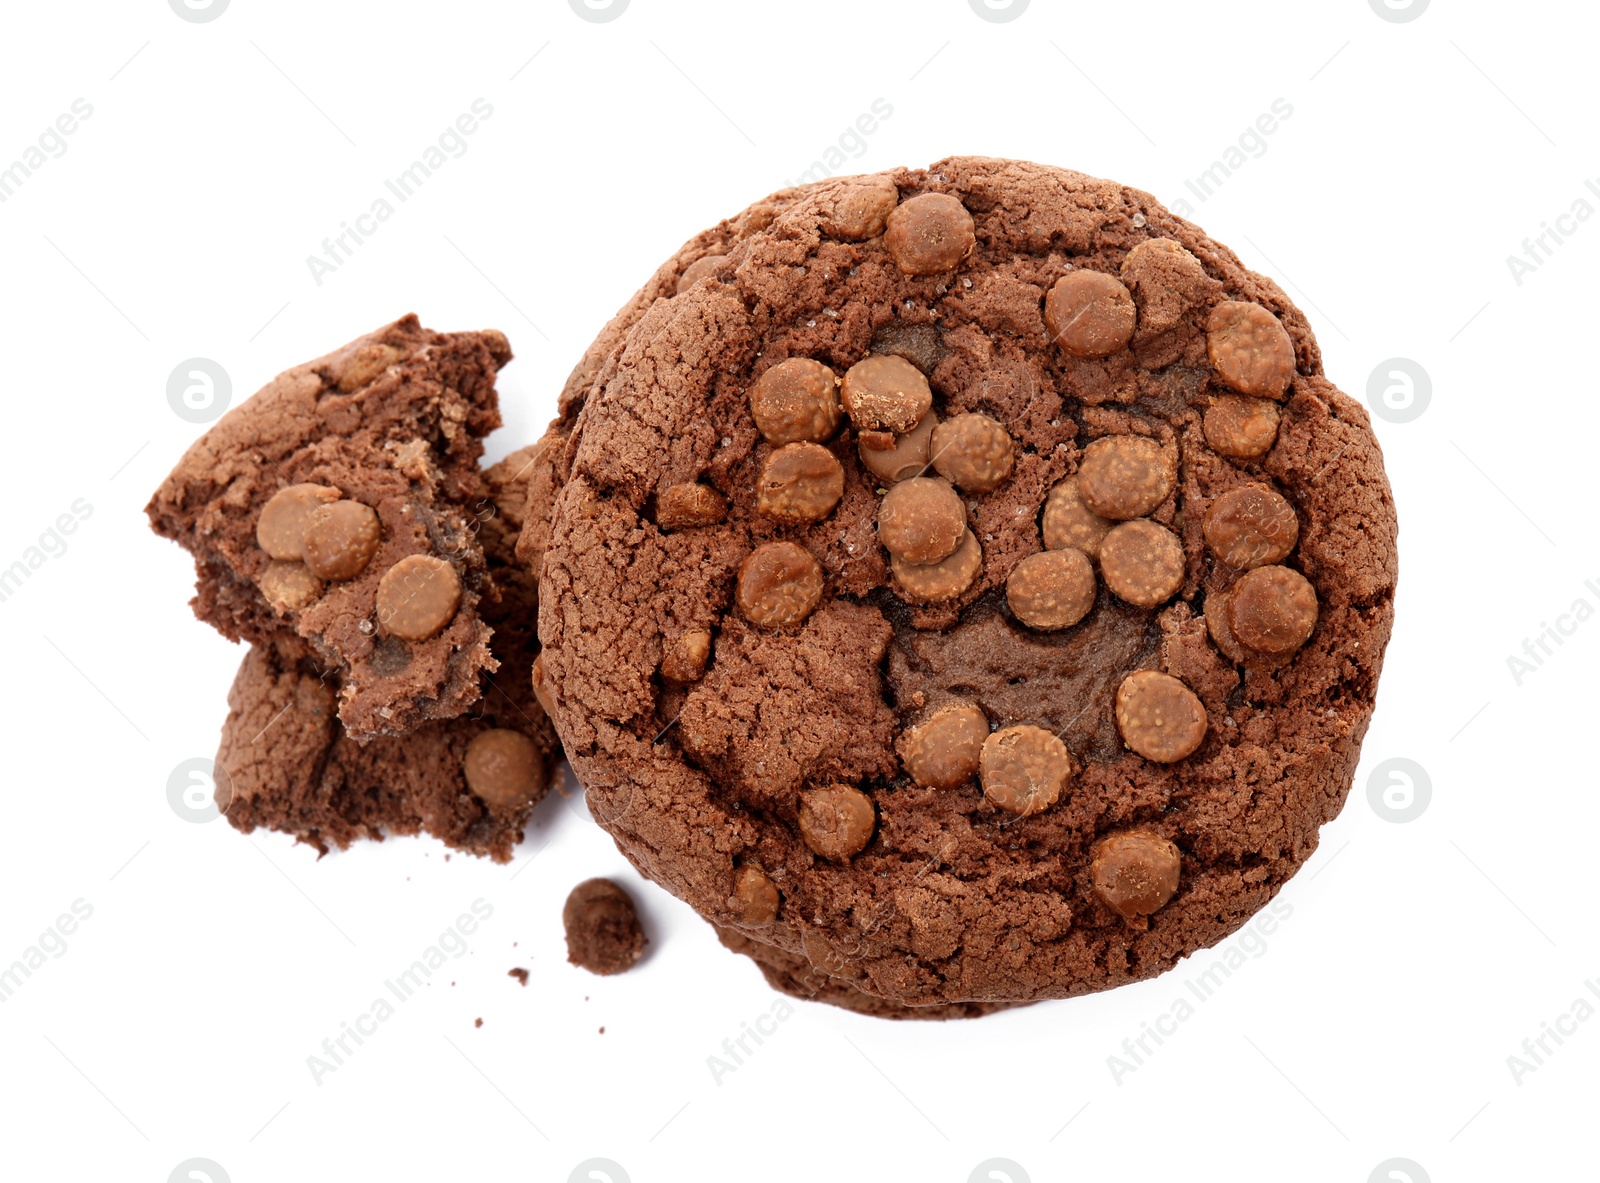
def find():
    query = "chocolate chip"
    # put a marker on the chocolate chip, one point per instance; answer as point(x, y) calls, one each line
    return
point(1218, 607)
point(1089, 314)
point(1052, 589)
point(1251, 526)
point(944, 751)
point(930, 234)
point(799, 483)
point(281, 528)
point(1024, 769)
point(418, 597)
point(288, 587)
point(1069, 522)
point(1135, 872)
point(686, 658)
point(603, 933)
point(1273, 610)
point(696, 271)
point(1142, 562)
point(921, 520)
point(836, 822)
point(860, 210)
point(933, 583)
point(1250, 350)
point(797, 400)
point(973, 452)
point(755, 897)
point(1159, 717)
point(504, 768)
point(905, 457)
point(366, 363)
point(780, 583)
point(690, 505)
point(543, 690)
point(885, 393)
point(1124, 476)
point(341, 539)
point(1242, 427)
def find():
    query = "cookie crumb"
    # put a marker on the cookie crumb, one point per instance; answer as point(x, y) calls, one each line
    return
point(519, 973)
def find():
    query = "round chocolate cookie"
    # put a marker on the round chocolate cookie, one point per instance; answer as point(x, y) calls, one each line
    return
point(746, 695)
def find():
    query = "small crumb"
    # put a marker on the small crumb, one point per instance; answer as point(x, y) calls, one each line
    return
point(519, 973)
point(477, 1022)
point(602, 1031)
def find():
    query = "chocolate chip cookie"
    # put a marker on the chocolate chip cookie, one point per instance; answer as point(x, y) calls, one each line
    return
point(336, 506)
point(471, 781)
point(869, 721)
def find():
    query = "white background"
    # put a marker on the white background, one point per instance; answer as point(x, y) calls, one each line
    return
point(178, 1022)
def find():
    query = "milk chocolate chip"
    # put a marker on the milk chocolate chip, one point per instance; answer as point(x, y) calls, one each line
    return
point(543, 691)
point(885, 393)
point(281, 528)
point(861, 210)
point(933, 583)
point(930, 234)
point(797, 400)
point(340, 539)
point(685, 661)
point(1053, 589)
point(780, 583)
point(944, 751)
point(1089, 314)
point(365, 364)
point(1242, 427)
point(921, 520)
point(1135, 872)
point(689, 505)
point(755, 897)
point(1250, 350)
point(1024, 769)
point(799, 483)
point(504, 768)
point(696, 271)
point(1069, 522)
point(1124, 476)
point(1142, 562)
point(906, 455)
point(288, 587)
point(836, 822)
point(973, 452)
point(1273, 610)
point(1251, 526)
point(418, 597)
point(1159, 717)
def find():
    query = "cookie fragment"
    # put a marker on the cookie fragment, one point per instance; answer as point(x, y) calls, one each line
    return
point(1136, 873)
point(836, 822)
point(1024, 769)
point(797, 400)
point(1159, 717)
point(1250, 350)
point(602, 926)
point(1053, 589)
point(930, 234)
point(1142, 562)
point(1089, 314)
point(943, 752)
point(780, 584)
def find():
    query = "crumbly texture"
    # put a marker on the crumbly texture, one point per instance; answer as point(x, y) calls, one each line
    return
point(292, 767)
point(954, 900)
point(602, 926)
point(392, 424)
